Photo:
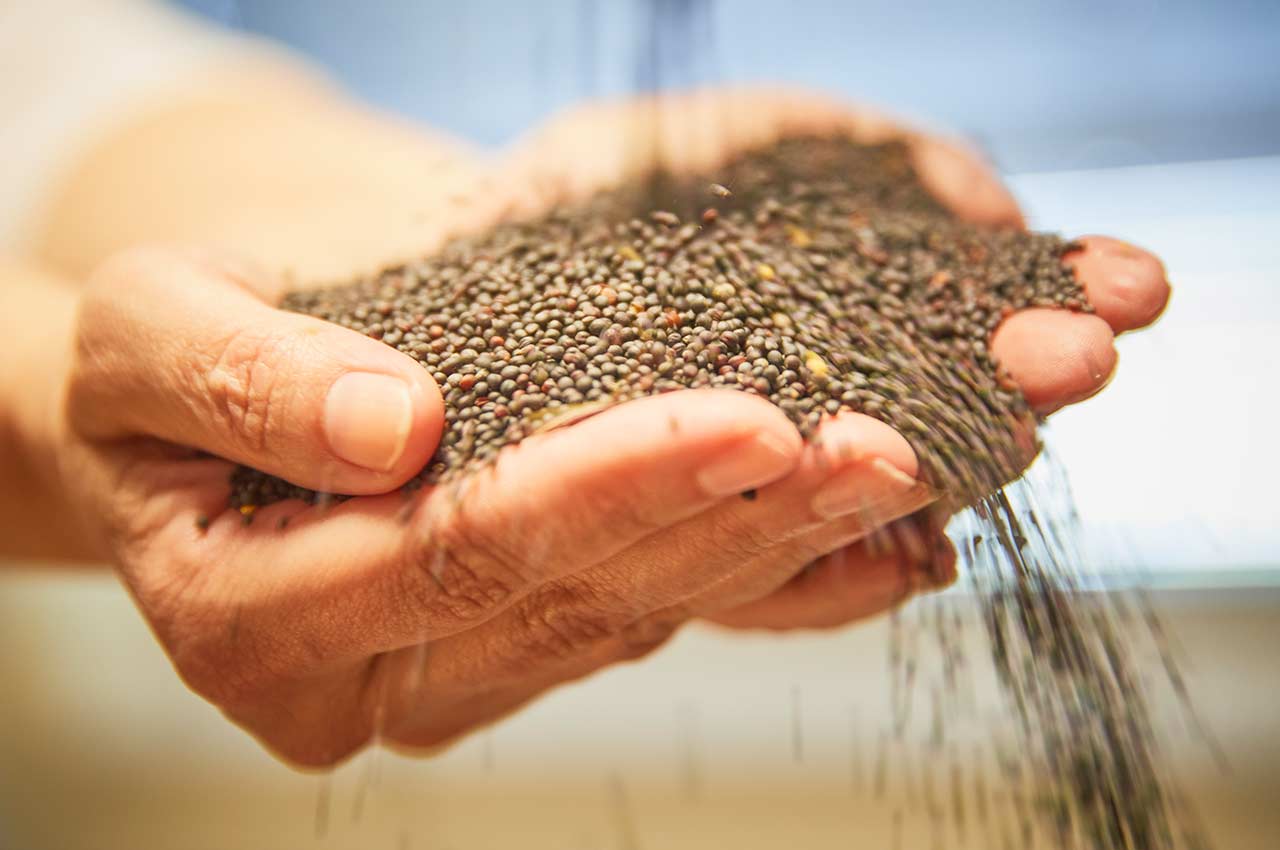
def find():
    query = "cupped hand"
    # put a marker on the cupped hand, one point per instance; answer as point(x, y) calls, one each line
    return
point(1056, 357)
point(418, 618)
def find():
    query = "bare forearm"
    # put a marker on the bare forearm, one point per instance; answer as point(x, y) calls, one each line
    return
point(37, 311)
point(264, 162)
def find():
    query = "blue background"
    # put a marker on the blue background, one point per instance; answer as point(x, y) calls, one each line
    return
point(1041, 85)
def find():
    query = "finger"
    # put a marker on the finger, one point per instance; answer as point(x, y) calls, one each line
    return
point(398, 573)
point(174, 349)
point(847, 585)
point(856, 477)
point(958, 177)
point(629, 605)
point(952, 171)
point(905, 533)
point(1125, 284)
point(605, 143)
point(456, 690)
point(572, 628)
point(578, 616)
point(860, 477)
point(1054, 356)
point(602, 144)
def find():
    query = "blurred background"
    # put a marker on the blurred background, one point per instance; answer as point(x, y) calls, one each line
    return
point(1156, 121)
point(1042, 85)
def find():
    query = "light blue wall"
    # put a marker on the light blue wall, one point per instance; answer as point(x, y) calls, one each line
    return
point(1042, 83)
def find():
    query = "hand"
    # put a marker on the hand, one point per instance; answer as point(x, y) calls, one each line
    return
point(1056, 357)
point(420, 619)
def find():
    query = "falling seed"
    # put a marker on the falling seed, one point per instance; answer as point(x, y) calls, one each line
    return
point(624, 822)
point(720, 191)
point(797, 728)
point(324, 794)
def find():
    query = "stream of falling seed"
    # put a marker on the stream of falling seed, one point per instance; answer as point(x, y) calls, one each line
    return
point(856, 782)
point(797, 726)
point(324, 795)
point(1083, 765)
point(624, 820)
point(688, 717)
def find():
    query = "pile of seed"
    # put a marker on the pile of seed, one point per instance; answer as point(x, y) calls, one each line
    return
point(818, 274)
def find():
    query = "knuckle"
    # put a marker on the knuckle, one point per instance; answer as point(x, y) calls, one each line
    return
point(465, 575)
point(631, 513)
point(131, 268)
point(647, 635)
point(806, 550)
point(101, 312)
point(738, 541)
point(834, 535)
point(563, 620)
point(241, 377)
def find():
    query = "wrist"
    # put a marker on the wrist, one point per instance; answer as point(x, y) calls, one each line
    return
point(37, 322)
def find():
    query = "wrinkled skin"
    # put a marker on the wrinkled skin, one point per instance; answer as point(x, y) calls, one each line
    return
point(424, 618)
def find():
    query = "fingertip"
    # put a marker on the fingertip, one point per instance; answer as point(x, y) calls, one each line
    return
point(1126, 285)
point(1054, 356)
point(746, 442)
point(732, 414)
point(428, 422)
point(381, 415)
point(959, 178)
point(939, 571)
point(855, 436)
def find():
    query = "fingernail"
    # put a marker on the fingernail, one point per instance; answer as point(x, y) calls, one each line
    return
point(936, 577)
point(937, 571)
point(878, 489)
point(367, 418)
point(764, 458)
